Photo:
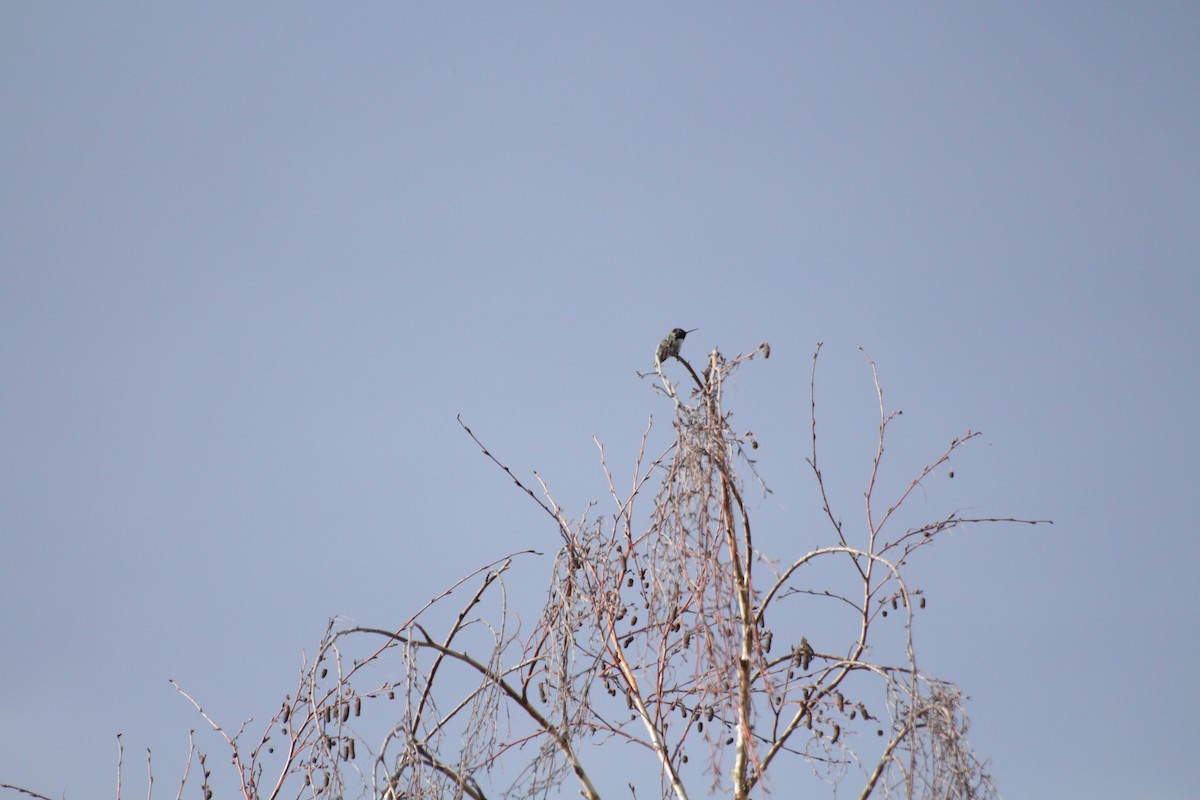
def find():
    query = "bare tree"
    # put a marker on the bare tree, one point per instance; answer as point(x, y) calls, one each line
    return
point(664, 628)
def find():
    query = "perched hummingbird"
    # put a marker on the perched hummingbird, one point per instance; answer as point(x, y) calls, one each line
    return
point(669, 346)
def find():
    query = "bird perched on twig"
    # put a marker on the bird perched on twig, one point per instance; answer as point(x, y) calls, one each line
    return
point(669, 346)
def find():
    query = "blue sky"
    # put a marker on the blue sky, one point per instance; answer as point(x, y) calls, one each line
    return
point(254, 260)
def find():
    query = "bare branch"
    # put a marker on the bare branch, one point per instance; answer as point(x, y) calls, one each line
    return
point(26, 792)
point(653, 633)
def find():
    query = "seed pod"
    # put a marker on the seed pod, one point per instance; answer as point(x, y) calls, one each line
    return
point(767, 639)
point(922, 601)
point(709, 715)
point(687, 638)
point(628, 641)
point(634, 620)
point(837, 732)
point(357, 706)
point(806, 653)
point(699, 726)
point(841, 702)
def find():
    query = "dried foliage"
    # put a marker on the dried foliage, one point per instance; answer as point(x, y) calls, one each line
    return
point(664, 628)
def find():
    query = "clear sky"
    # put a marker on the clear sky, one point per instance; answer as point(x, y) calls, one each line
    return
point(255, 258)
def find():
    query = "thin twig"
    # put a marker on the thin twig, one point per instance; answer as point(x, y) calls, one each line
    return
point(26, 792)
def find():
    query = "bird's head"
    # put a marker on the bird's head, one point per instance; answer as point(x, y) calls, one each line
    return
point(680, 333)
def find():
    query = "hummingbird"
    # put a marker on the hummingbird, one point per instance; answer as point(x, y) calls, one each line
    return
point(669, 346)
